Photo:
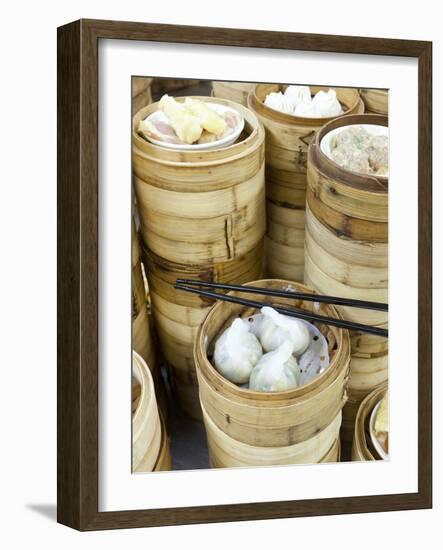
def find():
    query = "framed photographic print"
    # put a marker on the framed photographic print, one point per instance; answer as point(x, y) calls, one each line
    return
point(240, 213)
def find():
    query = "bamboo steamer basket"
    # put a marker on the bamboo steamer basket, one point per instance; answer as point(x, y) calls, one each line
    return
point(346, 254)
point(234, 91)
point(141, 93)
point(226, 452)
point(362, 447)
point(178, 315)
point(146, 425)
point(164, 460)
point(376, 101)
point(287, 141)
point(142, 338)
point(271, 419)
point(201, 207)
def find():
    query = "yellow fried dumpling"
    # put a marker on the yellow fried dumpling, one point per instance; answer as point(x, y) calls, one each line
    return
point(186, 126)
point(207, 117)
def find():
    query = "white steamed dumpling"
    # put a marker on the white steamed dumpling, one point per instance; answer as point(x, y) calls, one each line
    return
point(298, 94)
point(297, 100)
point(276, 371)
point(274, 328)
point(327, 104)
point(236, 353)
point(277, 101)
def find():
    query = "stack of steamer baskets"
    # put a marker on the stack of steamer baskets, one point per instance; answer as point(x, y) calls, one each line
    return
point(376, 101)
point(287, 141)
point(202, 215)
point(142, 341)
point(234, 91)
point(150, 449)
point(346, 254)
point(251, 428)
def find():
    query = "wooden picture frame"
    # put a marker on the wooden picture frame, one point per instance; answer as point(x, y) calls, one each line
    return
point(78, 275)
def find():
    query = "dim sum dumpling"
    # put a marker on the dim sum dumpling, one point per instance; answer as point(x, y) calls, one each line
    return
point(236, 353)
point(186, 126)
point(277, 370)
point(327, 104)
point(274, 328)
point(298, 94)
point(277, 101)
point(207, 117)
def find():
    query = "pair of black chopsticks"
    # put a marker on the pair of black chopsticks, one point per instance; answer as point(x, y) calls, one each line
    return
point(192, 286)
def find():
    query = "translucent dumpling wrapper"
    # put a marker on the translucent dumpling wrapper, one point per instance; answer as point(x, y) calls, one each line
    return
point(277, 370)
point(161, 131)
point(207, 117)
point(277, 101)
point(314, 360)
point(273, 329)
point(327, 104)
point(307, 109)
point(186, 125)
point(236, 352)
point(298, 94)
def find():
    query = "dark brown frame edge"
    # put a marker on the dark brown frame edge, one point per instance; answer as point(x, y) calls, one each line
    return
point(77, 354)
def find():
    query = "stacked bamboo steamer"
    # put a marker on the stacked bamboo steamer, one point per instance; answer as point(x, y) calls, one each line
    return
point(234, 91)
point(141, 93)
point(287, 141)
point(150, 447)
point(362, 447)
point(375, 100)
point(346, 254)
point(249, 428)
point(142, 340)
point(202, 216)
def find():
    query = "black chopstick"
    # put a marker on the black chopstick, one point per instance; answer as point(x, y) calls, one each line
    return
point(335, 300)
point(297, 313)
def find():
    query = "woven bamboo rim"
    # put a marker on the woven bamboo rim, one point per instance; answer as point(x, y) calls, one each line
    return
point(362, 448)
point(348, 97)
point(146, 427)
point(227, 403)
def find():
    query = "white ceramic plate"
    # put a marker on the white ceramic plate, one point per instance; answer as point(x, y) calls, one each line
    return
point(223, 142)
point(378, 447)
point(375, 129)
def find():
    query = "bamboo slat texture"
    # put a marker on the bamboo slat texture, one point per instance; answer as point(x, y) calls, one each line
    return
point(234, 91)
point(287, 141)
point(146, 425)
point(362, 447)
point(376, 101)
point(247, 427)
point(141, 93)
point(346, 254)
point(202, 216)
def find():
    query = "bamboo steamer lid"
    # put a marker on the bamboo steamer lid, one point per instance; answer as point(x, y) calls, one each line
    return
point(362, 448)
point(271, 419)
point(201, 207)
